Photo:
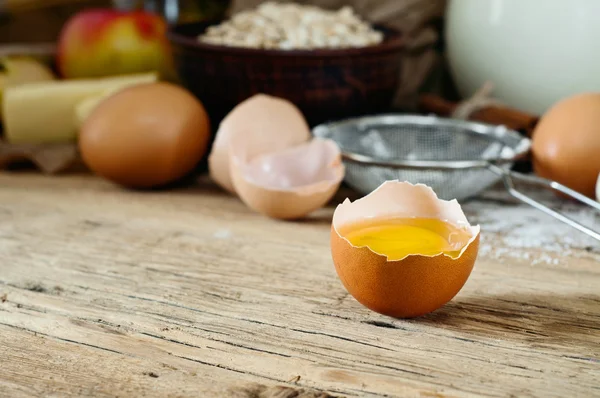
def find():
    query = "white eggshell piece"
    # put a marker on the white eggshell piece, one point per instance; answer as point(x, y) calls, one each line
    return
point(271, 124)
point(290, 183)
point(305, 168)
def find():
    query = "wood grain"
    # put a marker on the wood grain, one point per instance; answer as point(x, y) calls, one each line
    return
point(187, 293)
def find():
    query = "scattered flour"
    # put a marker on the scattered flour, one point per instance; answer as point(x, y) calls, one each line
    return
point(512, 230)
point(222, 234)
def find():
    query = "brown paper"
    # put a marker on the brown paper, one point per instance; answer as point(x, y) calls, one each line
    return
point(49, 158)
point(413, 17)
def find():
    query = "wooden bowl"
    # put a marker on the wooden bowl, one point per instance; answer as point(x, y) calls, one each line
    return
point(325, 84)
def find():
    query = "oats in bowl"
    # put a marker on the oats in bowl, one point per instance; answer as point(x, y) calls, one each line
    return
point(293, 27)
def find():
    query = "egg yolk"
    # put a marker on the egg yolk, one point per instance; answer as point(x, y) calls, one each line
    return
point(398, 238)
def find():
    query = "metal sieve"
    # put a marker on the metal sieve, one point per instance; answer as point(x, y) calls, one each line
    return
point(457, 159)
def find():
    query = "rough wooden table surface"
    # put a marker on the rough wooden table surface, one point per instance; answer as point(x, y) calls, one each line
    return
point(110, 293)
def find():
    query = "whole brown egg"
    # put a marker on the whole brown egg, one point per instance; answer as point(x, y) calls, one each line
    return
point(145, 136)
point(566, 143)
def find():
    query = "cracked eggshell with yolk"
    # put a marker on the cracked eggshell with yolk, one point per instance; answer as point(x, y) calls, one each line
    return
point(288, 184)
point(417, 284)
point(271, 124)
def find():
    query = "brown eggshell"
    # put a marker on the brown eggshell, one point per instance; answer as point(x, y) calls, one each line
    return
point(566, 143)
point(272, 123)
point(145, 136)
point(409, 288)
point(417, 284)
point(288, 184)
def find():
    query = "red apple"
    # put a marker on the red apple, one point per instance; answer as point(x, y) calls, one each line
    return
point(106, 42)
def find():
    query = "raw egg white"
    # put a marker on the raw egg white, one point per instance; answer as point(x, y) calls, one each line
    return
point(413, 284)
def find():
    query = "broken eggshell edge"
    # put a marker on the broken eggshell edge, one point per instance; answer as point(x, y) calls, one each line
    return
point(273, 123)
point(395, 199)
point(417, 284)
point(283, 200)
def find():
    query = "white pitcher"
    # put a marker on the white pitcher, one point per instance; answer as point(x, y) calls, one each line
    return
point(535, 52)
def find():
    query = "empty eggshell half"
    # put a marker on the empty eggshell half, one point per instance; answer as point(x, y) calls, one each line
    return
point(416, 284)
point(272, 123)
point(288, 184)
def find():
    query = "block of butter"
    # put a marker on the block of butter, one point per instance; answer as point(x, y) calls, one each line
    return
point(46, 112)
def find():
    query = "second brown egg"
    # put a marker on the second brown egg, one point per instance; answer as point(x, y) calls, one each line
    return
point(566, 143)
point(146, 135)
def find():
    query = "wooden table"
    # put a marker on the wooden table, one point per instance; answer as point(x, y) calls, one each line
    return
point(187, 293)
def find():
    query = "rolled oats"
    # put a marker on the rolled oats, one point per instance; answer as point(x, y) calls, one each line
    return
point(292, 26)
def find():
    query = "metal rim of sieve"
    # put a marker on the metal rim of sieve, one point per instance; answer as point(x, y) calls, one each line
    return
point(519, 145)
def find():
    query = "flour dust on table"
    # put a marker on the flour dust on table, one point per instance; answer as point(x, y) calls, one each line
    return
point(512, 230)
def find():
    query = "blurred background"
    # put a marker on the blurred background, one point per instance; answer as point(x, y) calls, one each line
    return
point(503, 62)
point(421, 20)
point(48, 16)
point(534, 55)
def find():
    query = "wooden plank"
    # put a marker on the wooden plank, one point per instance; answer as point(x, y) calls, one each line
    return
point(105, 287)
point(39, 365)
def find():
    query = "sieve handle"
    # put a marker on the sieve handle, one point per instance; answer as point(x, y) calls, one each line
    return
point(509, 176)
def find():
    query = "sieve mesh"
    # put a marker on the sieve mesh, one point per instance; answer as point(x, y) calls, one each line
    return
point(396, 138)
